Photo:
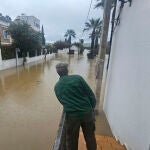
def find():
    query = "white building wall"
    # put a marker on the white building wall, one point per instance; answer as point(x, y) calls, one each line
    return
point(31, 20)
point(127, 97)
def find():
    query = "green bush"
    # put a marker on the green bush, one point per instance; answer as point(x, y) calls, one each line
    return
point(32, 53)
point(61, 45)
point(8, 52)
point(87, 47)
point(25, 38)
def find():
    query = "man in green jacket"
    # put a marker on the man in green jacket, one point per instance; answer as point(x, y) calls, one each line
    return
point(78, 102)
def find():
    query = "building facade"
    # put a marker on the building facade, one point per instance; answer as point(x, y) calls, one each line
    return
point(31, 20)
point(5, 38)
point(128, 81)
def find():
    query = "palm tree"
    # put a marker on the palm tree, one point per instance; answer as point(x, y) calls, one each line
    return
point(94, 25)
point(97, 36)
point(68, 35)
point(81, 46)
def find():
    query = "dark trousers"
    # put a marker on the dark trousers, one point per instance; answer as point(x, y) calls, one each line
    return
point(72, 133)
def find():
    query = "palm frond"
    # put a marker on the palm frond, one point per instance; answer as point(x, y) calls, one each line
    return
point(69, 33)
point(85, 29)
point(99, 5)
point(87, 24)
point(92, 24)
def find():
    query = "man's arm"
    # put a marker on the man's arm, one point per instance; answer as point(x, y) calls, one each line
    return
point(56, 90)
point(89, 92)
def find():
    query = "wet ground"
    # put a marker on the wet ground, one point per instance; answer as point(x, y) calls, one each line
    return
point(29, 110)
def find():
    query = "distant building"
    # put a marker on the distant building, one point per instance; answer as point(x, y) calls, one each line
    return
point(5, 38)
point(31, 20)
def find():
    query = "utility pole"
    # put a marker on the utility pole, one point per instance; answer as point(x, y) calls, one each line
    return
point(0, 57)
point(102, 51)
point(0, 54)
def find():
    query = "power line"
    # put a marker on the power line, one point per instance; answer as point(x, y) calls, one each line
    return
point(88, 14)
point(89, 11)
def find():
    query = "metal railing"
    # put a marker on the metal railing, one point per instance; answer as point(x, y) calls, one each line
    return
point(60, 140)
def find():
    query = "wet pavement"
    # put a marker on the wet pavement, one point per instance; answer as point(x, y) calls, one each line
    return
point(103, 143)
point(29, 110)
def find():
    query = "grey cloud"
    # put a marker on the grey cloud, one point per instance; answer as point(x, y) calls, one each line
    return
point(56, 16)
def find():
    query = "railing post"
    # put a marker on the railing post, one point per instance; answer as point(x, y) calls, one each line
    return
point(16, 57)
point(28, 54)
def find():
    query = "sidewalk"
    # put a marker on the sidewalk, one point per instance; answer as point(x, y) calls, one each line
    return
point(103, 143)
point(104, 136)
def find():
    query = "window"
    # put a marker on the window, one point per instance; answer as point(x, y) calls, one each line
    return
point(6, 34)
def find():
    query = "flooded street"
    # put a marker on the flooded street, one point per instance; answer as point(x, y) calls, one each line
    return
point(29, 110)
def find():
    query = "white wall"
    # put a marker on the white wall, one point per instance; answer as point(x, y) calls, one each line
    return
point(10, 63)
point(5, 64)
point(127, 100)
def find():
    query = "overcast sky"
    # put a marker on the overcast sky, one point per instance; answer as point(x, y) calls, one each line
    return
point(55, 15)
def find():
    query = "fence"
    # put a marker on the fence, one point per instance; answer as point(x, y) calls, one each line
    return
point(60, 141)
point(9, 63)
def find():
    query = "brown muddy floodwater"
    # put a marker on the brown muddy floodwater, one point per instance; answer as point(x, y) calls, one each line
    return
point(29, 110)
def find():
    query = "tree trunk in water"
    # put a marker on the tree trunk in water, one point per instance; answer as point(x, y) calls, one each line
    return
point(102, 51)
point(92, 43)
point(96, 45)
point(92, 46)
point(69, 40)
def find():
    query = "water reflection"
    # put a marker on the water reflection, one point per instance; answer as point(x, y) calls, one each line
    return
point(2, 84)
point(29, 110)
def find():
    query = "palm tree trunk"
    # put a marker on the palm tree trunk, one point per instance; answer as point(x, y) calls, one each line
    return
point(69, 40)
point(96, 45)
point(93, 43)
point(92, 46)
point(103, 46)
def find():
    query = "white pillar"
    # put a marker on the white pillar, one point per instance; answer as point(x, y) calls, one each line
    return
point(27, 58)
point(28, 54)
point(16, 57)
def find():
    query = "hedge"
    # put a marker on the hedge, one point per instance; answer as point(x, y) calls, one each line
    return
point(8, 52)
